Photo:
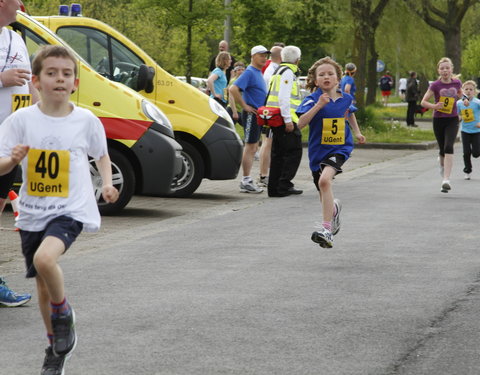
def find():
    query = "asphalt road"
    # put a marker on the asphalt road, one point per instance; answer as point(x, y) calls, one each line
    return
point(228, 283)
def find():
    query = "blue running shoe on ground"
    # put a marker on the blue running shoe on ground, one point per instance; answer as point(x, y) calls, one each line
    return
point(11, 299)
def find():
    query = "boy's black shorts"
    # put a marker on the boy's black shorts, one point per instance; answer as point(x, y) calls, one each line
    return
point(64, 228)
point(333, 160)
point(6, 182)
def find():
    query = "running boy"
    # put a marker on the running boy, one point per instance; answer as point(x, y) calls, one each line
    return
point(330, 141)
point(53, 140)
point(470, 125)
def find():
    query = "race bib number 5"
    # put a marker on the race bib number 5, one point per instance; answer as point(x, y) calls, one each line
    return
point(48, 173)
point(21, 101)
point(333, 132)
point(447, 104)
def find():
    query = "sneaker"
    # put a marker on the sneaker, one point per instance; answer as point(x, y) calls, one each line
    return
point(467, 176)
point(323, 237)
point(249, 187)
point(262, 181)
point(446, 186)
point(11, 299)
point(64, 335)
point(53, 365)
point(336, 217)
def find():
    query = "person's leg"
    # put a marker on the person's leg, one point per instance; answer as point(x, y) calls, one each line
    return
point(411, 113)
point(451, 131)
point(291, 160)
point(248, 156)
point(326, 192)
point(475, 142)
point(44, 304)
point(439, 132)
point(276, 162)
point(467, 152)
point(265, 152)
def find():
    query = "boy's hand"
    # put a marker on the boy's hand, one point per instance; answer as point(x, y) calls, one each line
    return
point(19, 152)
point(478, 125)
point(109, 193)
point(361, 138)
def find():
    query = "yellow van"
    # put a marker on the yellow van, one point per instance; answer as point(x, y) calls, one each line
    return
point(145, 156)
point(211, 147)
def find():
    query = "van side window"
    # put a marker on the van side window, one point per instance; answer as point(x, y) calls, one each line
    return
point(32, 40)
point(105, 54)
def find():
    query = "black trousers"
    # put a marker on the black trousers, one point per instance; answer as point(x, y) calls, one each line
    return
point(471, 147)
point(412, 105)
point(285, 159)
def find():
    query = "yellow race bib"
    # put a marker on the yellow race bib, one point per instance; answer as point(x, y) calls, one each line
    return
point(333, 132)
point(467, 115)
point(447, 104)
point(21, 101)
point(48, 173)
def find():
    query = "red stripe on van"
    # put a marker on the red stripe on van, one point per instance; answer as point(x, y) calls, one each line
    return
point(119, 128)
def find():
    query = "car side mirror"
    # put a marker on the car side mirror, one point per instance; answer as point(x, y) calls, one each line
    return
point(145, 78)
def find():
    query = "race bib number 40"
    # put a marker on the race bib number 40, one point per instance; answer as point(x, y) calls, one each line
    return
point(447, 104)
point(21, 101)
point(48, 173)
point(467, 115)
point(333, 132)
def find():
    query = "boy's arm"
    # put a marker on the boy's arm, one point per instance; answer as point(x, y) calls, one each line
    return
point(355, 128)
point(109, 193)
point(8, 163)
point(305, 119)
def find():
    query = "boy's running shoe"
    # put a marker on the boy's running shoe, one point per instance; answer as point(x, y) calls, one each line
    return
point(262, 181)
point(249, 187)
point(467, 176)
point(336, 217)
point(11, 299)
point(446, 186)
point(64, 335)
point(53, 365)
point(323, 237)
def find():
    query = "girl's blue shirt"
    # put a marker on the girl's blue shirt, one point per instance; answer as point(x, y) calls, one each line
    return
point(340, 108)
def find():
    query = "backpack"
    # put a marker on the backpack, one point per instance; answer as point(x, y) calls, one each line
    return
point(385, 83)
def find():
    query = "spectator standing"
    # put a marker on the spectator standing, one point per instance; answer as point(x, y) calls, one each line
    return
point(266, 147)
point(411, 97)
point(276, 44)
point(287, 139)
point(223, 47)
point(217, 81)
point(250, 92)
point(14, 82)
point(347, 84)
point(50, 219)
point(386, 85)
point(234, 108)
point(402, 88)
point(446, 90)
point(470, 126)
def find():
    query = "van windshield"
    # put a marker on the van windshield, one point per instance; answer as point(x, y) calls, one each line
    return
point(105, 54)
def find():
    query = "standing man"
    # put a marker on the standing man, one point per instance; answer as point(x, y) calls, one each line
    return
point(249, 91)
point(222, 47)
point(411, 97)
point(266, 148)
point(386, 85)
point(287, 139)
point(15, 84)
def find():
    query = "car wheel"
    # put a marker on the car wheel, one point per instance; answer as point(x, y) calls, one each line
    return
point(191, 175)
point(123, 179)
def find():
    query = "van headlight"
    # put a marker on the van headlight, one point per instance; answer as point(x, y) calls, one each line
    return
point(155, 114)
point(217, 108)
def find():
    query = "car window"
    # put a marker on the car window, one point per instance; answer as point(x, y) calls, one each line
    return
point(32, 40)
point(105, 54)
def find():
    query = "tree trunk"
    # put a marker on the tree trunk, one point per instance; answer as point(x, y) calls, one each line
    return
point(372, 72)
point(188, 73)
point(453, 48)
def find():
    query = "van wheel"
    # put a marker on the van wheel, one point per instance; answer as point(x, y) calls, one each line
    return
point(191, 175)
point(123, 179)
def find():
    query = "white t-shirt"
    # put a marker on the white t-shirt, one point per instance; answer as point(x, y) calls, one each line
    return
point(74, 138)
point(17, 59)
point(267, 74)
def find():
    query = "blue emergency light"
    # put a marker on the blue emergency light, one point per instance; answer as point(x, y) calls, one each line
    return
point(75, 10)
point(63, 10)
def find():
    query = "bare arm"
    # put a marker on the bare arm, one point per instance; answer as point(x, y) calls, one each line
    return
point(305, 119)
point(347, 88)
point(109, 193)
point(355, 128)
point(8, 163)
point(425, 101)
point(237, 97)
point(210, 82)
